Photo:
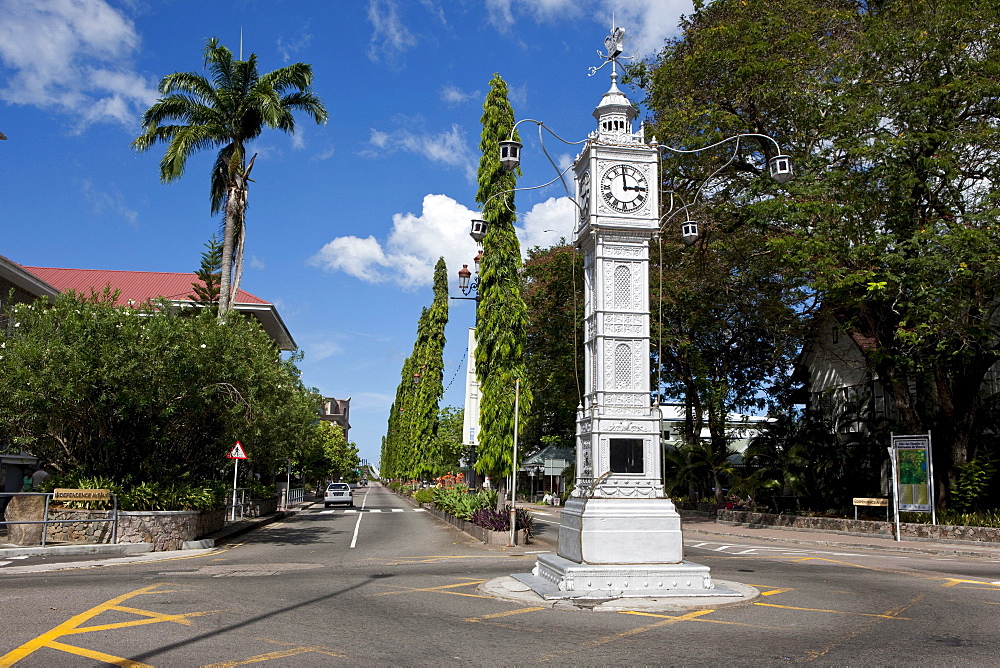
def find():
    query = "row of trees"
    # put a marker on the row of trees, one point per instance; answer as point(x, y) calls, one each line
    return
point(412, 447)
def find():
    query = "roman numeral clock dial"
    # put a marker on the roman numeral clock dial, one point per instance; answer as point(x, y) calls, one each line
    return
point(624, 188)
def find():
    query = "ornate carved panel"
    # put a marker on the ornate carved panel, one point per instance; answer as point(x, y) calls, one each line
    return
point(624, 323)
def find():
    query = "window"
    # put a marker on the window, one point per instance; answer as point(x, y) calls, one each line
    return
point(626, 455)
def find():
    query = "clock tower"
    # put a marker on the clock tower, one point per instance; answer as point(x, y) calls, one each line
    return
point(619, 534)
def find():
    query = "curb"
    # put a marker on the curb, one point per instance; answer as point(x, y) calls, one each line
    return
point(212, 540)
point(72, 550)
point(904, 547)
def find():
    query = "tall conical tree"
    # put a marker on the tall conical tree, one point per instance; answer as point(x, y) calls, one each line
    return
point(206, 291)
point(501, 330)
point(409, 448)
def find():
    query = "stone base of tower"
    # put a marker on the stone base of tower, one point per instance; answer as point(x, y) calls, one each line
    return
point(620, 531)
point(614, 548)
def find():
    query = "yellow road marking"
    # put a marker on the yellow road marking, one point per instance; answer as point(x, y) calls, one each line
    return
point(631, 632)
point(281, 654)
point(836, 612)
point(876, 619)
point(439, 590)
point(72, 626)
point(772, 592)
point(952, 582)
point(497, 615)
point(705, 621)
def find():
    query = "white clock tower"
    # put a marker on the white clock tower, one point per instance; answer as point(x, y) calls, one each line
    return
point(619, 534)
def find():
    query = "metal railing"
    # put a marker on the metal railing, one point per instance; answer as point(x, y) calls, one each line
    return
point(292, 497)
point(45, 521)
point(238, 503)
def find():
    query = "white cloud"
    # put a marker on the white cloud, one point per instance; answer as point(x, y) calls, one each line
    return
point(448, 148)
point(547, 222)
point(316, 351)
point(257, 263)
point(71, 55)
point(648, 22)
point(390, 37)
point(453, 95)
point(104, 201)
point(441, 229)
point(292, 45)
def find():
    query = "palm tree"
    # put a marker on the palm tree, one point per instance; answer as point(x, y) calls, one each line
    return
point(226, 112)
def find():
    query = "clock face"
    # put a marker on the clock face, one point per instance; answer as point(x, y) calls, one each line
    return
point(624, 188)
point(584, 197)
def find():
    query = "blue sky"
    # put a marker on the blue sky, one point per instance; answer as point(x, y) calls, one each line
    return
point(346, 220)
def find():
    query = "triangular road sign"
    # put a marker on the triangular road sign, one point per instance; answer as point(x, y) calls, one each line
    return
point(237, 452)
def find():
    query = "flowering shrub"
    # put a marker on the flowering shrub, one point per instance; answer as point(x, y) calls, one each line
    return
point(450, 480)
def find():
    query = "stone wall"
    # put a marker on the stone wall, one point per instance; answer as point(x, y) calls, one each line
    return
point(166, 530)
point(928, 531)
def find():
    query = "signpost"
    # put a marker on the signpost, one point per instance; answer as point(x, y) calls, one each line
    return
point(912, 475)
point(236, 453)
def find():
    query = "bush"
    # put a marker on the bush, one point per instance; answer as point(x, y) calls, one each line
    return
point(177, 495)
point(499, 520)
point(424, 495)
point(457, 500)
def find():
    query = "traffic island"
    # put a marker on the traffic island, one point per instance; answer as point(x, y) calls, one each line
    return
point(512, 588)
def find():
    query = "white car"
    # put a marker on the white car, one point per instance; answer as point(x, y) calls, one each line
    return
point(338, 492)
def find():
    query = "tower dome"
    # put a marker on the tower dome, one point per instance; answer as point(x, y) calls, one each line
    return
point(614, 115)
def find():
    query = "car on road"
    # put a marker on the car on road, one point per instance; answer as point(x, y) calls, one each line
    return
point(338, 492)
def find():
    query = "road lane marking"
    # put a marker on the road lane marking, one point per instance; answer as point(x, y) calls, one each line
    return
point(625, 634)
point(420, 510)
point(815, 654)
point(72, 626)
point(835, 612)
point(437, 590)
point(397, 510)
point(280, 654)
point(497, 615)
point(357, 525)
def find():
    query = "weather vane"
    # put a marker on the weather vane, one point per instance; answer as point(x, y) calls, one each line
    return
point(615, 44)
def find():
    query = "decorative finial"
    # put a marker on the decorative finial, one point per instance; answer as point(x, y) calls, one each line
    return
point(615, 44)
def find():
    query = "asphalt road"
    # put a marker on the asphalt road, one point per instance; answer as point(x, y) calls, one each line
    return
point(398, 587)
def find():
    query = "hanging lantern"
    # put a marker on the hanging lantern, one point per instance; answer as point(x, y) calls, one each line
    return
point(478, 231)
point(463, 277)
point(781, 168)
point(478, 260)
point(510, 154)
point(689, 232)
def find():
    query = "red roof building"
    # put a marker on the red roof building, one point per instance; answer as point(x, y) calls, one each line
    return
point(135, 287)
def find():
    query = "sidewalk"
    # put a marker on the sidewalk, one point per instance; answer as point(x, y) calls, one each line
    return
point(708, 528)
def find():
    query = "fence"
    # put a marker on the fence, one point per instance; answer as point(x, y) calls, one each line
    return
point(292, 497)
point(45, 521)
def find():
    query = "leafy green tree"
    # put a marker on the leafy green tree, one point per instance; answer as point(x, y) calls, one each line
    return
point(449, 448)
point(553, 295)
point(501, 315)
point(327, 453)
point(227, 110)
point(726, 324)
point(889, 111)
point(410, 447)
point(206, 292)
point(144, 394)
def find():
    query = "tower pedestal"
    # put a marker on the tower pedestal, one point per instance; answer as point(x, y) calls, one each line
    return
point(610, 531)
point(615, 548)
